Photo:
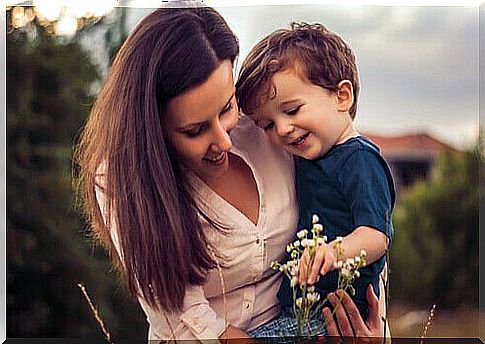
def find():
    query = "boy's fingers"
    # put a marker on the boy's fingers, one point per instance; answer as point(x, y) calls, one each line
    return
point(302, 276)
point(327, 264)
point(317, 263)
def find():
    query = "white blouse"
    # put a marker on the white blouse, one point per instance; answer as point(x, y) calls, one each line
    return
point(248, 249)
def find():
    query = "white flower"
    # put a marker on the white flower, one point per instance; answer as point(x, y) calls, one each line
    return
point(315, 219)
point(345, 273)
point(289, 248)
point(350, 261)
point(356, 274)
point(311, 289)
point(363, 254)
point(357, 260)
point(304, 242)
point(301, 234)
point(321, 241)
point(339, 239)
point(313, 297)
point(310, 243)
point(318, 227)
point(294, 271)
point(294, 281)
point(296, 243)
point(298, 302)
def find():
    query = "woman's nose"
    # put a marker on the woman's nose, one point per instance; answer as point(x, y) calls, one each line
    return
point(222, 140)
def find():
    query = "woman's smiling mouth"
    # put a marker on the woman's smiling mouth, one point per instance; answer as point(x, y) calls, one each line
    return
point(217, 160)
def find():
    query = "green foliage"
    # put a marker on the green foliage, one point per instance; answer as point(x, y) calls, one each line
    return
point(434, 258)
point(48, 98)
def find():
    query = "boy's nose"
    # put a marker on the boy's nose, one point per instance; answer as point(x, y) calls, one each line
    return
point(284, 128)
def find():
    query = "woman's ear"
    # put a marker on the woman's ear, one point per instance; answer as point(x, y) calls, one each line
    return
point(345, 96)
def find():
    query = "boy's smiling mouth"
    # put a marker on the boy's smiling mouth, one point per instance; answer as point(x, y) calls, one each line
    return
point(301, 140)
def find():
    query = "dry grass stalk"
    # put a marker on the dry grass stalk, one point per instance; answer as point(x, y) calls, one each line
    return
point(107, 336)
point(428, 323)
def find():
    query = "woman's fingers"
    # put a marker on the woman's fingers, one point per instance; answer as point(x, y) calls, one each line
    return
point(330, 323)
point(373, 319)
point(358, 325)
point(341, 316)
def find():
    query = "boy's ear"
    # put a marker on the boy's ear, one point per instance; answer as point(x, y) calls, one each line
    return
point(345, 96)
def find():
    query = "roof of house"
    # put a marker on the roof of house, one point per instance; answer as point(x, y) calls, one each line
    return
point(416, 146)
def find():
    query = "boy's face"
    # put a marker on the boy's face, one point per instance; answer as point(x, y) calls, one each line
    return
point(304, 119)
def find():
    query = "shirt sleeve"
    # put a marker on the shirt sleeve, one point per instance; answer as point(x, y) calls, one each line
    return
point(367, 185)
point(196, 321)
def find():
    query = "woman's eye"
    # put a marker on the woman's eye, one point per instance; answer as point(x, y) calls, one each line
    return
point(293, 111)
point(196, 131)
point(228, 107)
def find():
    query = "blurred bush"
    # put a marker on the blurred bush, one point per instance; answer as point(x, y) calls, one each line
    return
point(434, 257)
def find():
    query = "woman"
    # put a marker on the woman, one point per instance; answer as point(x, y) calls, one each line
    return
point(193, 205)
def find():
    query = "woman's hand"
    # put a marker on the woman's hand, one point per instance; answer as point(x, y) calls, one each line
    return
point(347, 321)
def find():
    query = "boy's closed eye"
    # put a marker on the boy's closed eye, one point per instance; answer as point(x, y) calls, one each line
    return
point(293, 111)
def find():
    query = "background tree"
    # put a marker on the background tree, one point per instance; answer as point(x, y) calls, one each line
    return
point(48, 98)
point(434, 258)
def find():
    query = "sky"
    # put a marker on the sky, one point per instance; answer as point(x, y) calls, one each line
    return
point(418, 66)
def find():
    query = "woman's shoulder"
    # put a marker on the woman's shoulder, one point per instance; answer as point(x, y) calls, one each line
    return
point(251, 142)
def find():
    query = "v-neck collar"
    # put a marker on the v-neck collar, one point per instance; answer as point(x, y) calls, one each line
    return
point(216, 203)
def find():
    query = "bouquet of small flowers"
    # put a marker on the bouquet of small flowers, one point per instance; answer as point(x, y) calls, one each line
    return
point(307, 306)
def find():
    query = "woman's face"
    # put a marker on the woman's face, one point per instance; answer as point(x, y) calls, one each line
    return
point(197, 123)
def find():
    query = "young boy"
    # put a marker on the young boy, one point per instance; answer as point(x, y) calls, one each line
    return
point(300, 85)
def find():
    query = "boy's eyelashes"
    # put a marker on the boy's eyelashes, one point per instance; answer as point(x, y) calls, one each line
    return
point(267, 125)
point(293, 110)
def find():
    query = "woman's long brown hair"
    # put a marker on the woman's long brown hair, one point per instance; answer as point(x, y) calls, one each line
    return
point(148, 200)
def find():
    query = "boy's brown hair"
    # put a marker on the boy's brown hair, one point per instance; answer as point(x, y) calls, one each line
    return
point(323, 56)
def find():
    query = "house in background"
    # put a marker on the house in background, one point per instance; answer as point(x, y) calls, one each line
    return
point(411, 157)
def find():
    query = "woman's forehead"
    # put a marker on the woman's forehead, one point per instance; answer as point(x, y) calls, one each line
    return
point(204, 100)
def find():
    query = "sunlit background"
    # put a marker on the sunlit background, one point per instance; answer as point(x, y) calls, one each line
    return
point(418, 65)
point(419, 71)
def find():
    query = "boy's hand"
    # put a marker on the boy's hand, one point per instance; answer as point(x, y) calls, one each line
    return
point(323, 262)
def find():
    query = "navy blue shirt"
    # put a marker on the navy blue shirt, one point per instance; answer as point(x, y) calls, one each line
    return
point(350, 186)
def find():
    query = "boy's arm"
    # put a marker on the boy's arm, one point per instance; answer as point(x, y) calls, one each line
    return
point(365, 238)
